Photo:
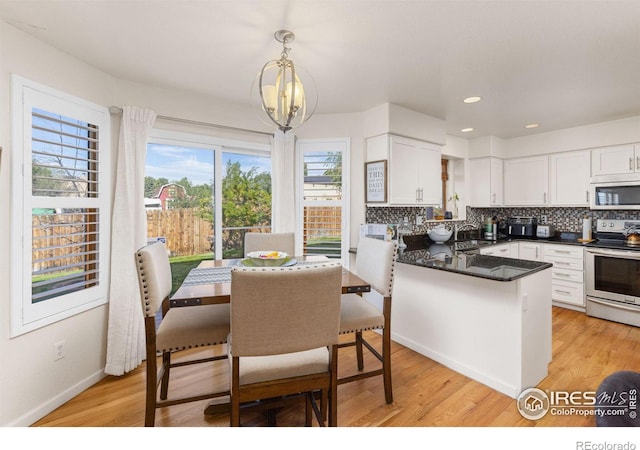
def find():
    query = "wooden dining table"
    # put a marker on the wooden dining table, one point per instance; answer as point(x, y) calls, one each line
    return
point(210, 282)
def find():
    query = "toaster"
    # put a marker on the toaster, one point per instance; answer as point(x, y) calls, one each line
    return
point(545, 231)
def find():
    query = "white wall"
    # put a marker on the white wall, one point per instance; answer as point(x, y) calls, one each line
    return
point(602, 134)
point(32, 382)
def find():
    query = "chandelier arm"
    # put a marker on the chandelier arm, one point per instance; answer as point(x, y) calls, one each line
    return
point(262, 97)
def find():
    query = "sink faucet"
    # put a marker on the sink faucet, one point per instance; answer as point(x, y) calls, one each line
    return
point(464, 226)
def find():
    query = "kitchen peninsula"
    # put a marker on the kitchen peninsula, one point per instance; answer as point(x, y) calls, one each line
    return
point(486, 317)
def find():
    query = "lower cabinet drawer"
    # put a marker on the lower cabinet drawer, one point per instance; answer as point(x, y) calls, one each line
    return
point(567, 292)
point(575, 276)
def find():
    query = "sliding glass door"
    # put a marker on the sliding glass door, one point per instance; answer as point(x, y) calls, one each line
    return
point(201, 197)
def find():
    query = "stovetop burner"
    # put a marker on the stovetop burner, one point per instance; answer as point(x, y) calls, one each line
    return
point(611, 234)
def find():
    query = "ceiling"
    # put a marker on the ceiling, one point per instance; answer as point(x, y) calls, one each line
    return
point(557, 63)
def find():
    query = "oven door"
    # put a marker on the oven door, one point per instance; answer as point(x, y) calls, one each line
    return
point(613, 274)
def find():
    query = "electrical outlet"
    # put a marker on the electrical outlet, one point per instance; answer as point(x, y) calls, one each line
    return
point(544, 219)
point(58, 350)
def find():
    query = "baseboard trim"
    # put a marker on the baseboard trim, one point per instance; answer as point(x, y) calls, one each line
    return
point(50, 405)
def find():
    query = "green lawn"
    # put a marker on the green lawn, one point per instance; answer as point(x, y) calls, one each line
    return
point(181, 265)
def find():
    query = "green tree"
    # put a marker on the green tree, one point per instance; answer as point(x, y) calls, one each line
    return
point(42, 184)
point(151, 185)
point(247, 201)
point(333, 163)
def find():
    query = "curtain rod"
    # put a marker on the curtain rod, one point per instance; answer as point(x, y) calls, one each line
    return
point(118, 110)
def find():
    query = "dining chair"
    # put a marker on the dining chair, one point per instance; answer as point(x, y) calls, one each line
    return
point(284, 336)
point(282, 242)
point(181, 328)
point(375, 261)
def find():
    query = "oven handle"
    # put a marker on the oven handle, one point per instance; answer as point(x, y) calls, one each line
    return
point(613, 305)
point(631, 254)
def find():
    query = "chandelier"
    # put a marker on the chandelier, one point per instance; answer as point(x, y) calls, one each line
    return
point(282, 100)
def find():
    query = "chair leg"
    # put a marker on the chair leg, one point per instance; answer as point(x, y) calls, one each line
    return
point(235, 388)
point(332, 393)
point(359, 354)
point(308, 409)
point(386, 364)
point(166, 365)
point(150, 403)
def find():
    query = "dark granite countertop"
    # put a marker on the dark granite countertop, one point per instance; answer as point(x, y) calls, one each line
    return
point(425, 253)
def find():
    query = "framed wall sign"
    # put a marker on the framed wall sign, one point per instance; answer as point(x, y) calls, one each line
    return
point(375, 176)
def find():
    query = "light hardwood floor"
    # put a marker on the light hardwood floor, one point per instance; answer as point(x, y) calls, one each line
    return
point(426, 394)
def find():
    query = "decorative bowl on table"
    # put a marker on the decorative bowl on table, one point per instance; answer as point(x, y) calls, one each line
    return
point(268, 258)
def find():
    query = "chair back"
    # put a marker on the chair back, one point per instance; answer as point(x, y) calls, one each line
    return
point(154, 276)
point(375, 261)
point(284, 309)
point(282, 242)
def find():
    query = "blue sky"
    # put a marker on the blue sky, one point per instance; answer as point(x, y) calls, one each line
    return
point(175, 162)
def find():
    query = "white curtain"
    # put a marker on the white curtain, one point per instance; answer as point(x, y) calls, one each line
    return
point(283, 216)
point(126, 337)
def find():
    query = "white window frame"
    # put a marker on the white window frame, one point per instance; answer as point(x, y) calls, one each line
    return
point(218, 146)
point(323, 145)
point(25, 315)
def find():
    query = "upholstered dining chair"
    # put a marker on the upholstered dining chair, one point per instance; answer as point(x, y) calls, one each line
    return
point(375, 261)
point(284, 336)
point(282, 242)
point(181, 328)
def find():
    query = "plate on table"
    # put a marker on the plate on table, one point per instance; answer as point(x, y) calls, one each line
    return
point(248, 262)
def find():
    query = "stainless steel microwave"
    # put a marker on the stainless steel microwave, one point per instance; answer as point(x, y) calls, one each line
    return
point(615, 195)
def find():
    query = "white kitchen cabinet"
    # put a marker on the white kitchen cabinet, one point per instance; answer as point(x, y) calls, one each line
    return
point(413, 168)
point(567, 274)
point(526, 181)
point(569, 178)
point(531, 251)
point(616, 160)
point(486, 182)
point(503, 250)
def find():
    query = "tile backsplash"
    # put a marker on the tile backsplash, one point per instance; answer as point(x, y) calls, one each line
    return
point(564, 219)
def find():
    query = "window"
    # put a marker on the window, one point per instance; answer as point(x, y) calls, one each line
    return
point(60, 206)
point(324, 221)
point(214, 191)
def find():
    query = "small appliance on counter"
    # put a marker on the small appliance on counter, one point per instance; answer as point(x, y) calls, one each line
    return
point(545, 231)
point(522, 226)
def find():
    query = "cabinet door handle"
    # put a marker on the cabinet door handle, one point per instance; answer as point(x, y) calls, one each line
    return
point(637, 162)
point(630, 164)
point(536, 252)
point(544, 198)
point(587, 196)
point(493, 198)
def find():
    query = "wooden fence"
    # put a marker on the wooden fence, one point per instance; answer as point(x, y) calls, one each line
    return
point(184, 231)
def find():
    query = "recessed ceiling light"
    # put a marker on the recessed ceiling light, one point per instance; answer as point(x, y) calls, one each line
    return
point(532, 125)
point(467, 130)
point(472, 99)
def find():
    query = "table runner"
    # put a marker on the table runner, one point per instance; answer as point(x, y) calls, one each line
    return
point(210, 275)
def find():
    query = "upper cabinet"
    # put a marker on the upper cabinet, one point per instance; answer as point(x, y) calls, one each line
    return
point(569, 178)
point(526, 181)
point(485, 187)
point(621, 162)
point(414, 169)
